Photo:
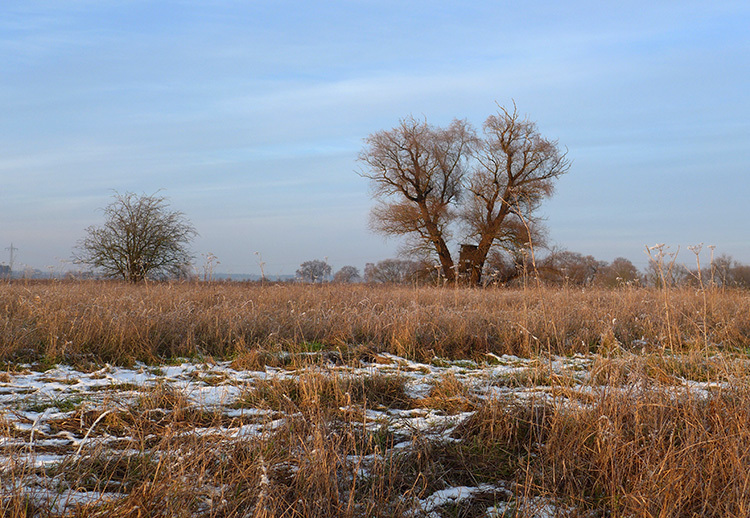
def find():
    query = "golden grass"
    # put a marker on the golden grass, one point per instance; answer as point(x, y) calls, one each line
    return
point(120, 323)
point(324, 391)
point(631, 440)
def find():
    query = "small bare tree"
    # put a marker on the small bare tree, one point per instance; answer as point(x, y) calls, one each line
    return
point(315, 271)
point(140, 238)
point(620, 272)
point(347, 275)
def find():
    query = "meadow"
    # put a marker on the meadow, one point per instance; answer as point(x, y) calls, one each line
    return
point(240, 399)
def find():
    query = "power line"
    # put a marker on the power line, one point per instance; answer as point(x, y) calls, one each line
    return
point(12, 250)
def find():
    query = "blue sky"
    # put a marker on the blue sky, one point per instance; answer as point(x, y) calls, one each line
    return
point(250, 115)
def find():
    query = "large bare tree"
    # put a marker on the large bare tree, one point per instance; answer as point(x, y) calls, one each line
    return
point(417, 173)
point(141, 237)
point(514, 170)
point(427, 179)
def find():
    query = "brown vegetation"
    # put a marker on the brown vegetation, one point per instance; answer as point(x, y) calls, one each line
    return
point(629, 437)
point(116, 322)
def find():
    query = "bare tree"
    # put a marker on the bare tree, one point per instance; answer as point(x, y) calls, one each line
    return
point(417, 171)
point(721, 270)
point(141, 237)
point(620, 272)
point(725, 272)
point(571, 268)
point(314, 271)
point(514, 170)
point(347, 275)
point(396, 271)
point(426, 179)
point(741, 275)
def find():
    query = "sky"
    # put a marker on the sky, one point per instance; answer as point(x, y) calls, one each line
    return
point(249, 116)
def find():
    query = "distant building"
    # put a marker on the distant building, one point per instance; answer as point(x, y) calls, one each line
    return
point(4, 270)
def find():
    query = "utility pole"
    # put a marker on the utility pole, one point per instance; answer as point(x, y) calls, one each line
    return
point(12, 250)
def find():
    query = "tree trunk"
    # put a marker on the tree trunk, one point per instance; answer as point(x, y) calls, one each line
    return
point(443, 253)
point(485, 244)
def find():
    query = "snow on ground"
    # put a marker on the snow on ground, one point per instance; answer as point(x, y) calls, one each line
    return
point(454, 495)
point(33, 403)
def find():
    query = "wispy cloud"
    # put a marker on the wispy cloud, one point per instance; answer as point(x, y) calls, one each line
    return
point(250, 114)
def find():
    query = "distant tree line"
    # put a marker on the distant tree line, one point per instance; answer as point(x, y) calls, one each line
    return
point(142, 238)
point(553, 268)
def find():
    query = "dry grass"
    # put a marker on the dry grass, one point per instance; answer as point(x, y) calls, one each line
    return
point(654, 454)
point(630, 451)
point(629, 439)
point(321, 390)
point(637, 453)
point(121, 323)
point(312, 465)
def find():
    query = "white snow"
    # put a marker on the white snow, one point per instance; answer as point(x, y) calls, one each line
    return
point(32, 400)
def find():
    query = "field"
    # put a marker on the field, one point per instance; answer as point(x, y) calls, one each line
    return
point(213, 399)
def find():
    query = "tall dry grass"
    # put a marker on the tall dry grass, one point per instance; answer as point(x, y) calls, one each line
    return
point(635, 449)
point(632, 440)
point(633, 453)
point(320, 462)
point(114, 322)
